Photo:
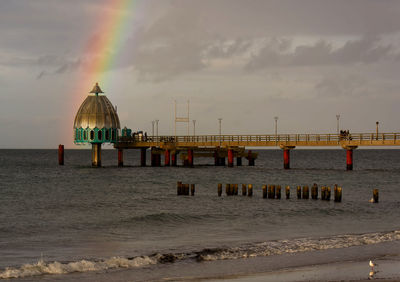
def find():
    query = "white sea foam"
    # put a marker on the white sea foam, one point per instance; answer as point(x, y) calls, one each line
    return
point(297, 245)
point(42, 267)
point(245, 251)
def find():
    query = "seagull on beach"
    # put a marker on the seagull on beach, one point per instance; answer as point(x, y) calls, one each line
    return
point(372, 264)
point(372, 272)
point(371, 275)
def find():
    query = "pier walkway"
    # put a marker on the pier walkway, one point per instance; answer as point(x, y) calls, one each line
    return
point(280, 140)
point(221, 146)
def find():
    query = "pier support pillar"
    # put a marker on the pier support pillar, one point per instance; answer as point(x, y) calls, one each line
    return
point(167, 157)
point(153, 157)
point(349, 159)
point(61, 154)
point(238, 161)
point(96, 154)
point(349, 156)
point(120, 158)
point(286, 159)
point(173, 158)
point(286, 155)
point(250, 158)
point(230, 158)
point(219, 161)
point(190, 157)
point(143, 156)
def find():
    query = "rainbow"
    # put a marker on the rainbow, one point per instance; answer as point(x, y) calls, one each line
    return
point(104, 45)
point(101, 51)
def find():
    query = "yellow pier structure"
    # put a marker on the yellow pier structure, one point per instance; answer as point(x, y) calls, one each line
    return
point(221, 146)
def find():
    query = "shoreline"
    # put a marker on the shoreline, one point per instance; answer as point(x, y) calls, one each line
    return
point(387, 269)
point(342, 264)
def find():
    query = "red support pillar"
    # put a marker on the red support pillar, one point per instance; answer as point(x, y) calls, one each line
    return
point(286, 158)
point(142, 156)
point(173, 158)
point(190, 157)
point(120, 158)
point(230, 158)
point(61, 154)
point(349, 159)
point(167, 157)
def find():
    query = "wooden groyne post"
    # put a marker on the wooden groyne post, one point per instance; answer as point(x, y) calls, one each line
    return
point(298, 192)
point(287, 191)
point(250, 190)
point(338, 193)
point(375, 195)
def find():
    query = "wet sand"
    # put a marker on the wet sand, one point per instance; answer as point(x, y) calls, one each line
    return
point(388, 269)
point(342, 264)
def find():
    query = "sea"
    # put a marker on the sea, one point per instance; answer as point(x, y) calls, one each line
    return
point(78, 223)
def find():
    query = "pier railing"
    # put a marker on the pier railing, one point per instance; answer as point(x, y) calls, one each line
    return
point(353, 139)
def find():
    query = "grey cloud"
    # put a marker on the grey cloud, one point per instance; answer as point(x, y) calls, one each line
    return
point(171, 46)
point(366, 50)
point(41, 74)
point(226, 48)
point(335, 86)
point(68, 66)
point(63, 66)
point(165, 62)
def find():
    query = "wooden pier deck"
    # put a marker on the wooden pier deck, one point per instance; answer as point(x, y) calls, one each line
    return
point(231, 146)
point(281, 140)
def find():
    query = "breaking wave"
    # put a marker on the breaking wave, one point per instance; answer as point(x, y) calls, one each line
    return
point(296, 245)
point(211, 254)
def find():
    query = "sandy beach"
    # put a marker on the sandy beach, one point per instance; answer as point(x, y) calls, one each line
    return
point(388, 269)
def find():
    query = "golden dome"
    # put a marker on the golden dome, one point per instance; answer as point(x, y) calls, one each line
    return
point(96, 111)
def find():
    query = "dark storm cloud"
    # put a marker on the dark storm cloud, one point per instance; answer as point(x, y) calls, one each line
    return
point(226, 49)
point(172, 45)
point(368, 49)
point(181, 36)
point(188, 34)
point(294, 17)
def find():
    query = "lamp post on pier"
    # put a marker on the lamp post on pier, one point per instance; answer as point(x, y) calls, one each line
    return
point(194, 127)
point(157, 127)
point(337, 123)
point(220, 120)
point(377, 129)
point(276, 129)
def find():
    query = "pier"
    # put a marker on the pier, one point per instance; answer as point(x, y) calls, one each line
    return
point(97, 122)
point(221, 147)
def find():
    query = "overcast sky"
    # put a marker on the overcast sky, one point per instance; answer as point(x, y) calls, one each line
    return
point(244, 61)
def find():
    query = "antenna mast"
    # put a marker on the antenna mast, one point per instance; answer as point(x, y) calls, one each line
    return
point(183, 119)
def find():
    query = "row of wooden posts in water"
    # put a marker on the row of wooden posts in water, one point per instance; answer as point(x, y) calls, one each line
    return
point(183, 189)
point(274, 191)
